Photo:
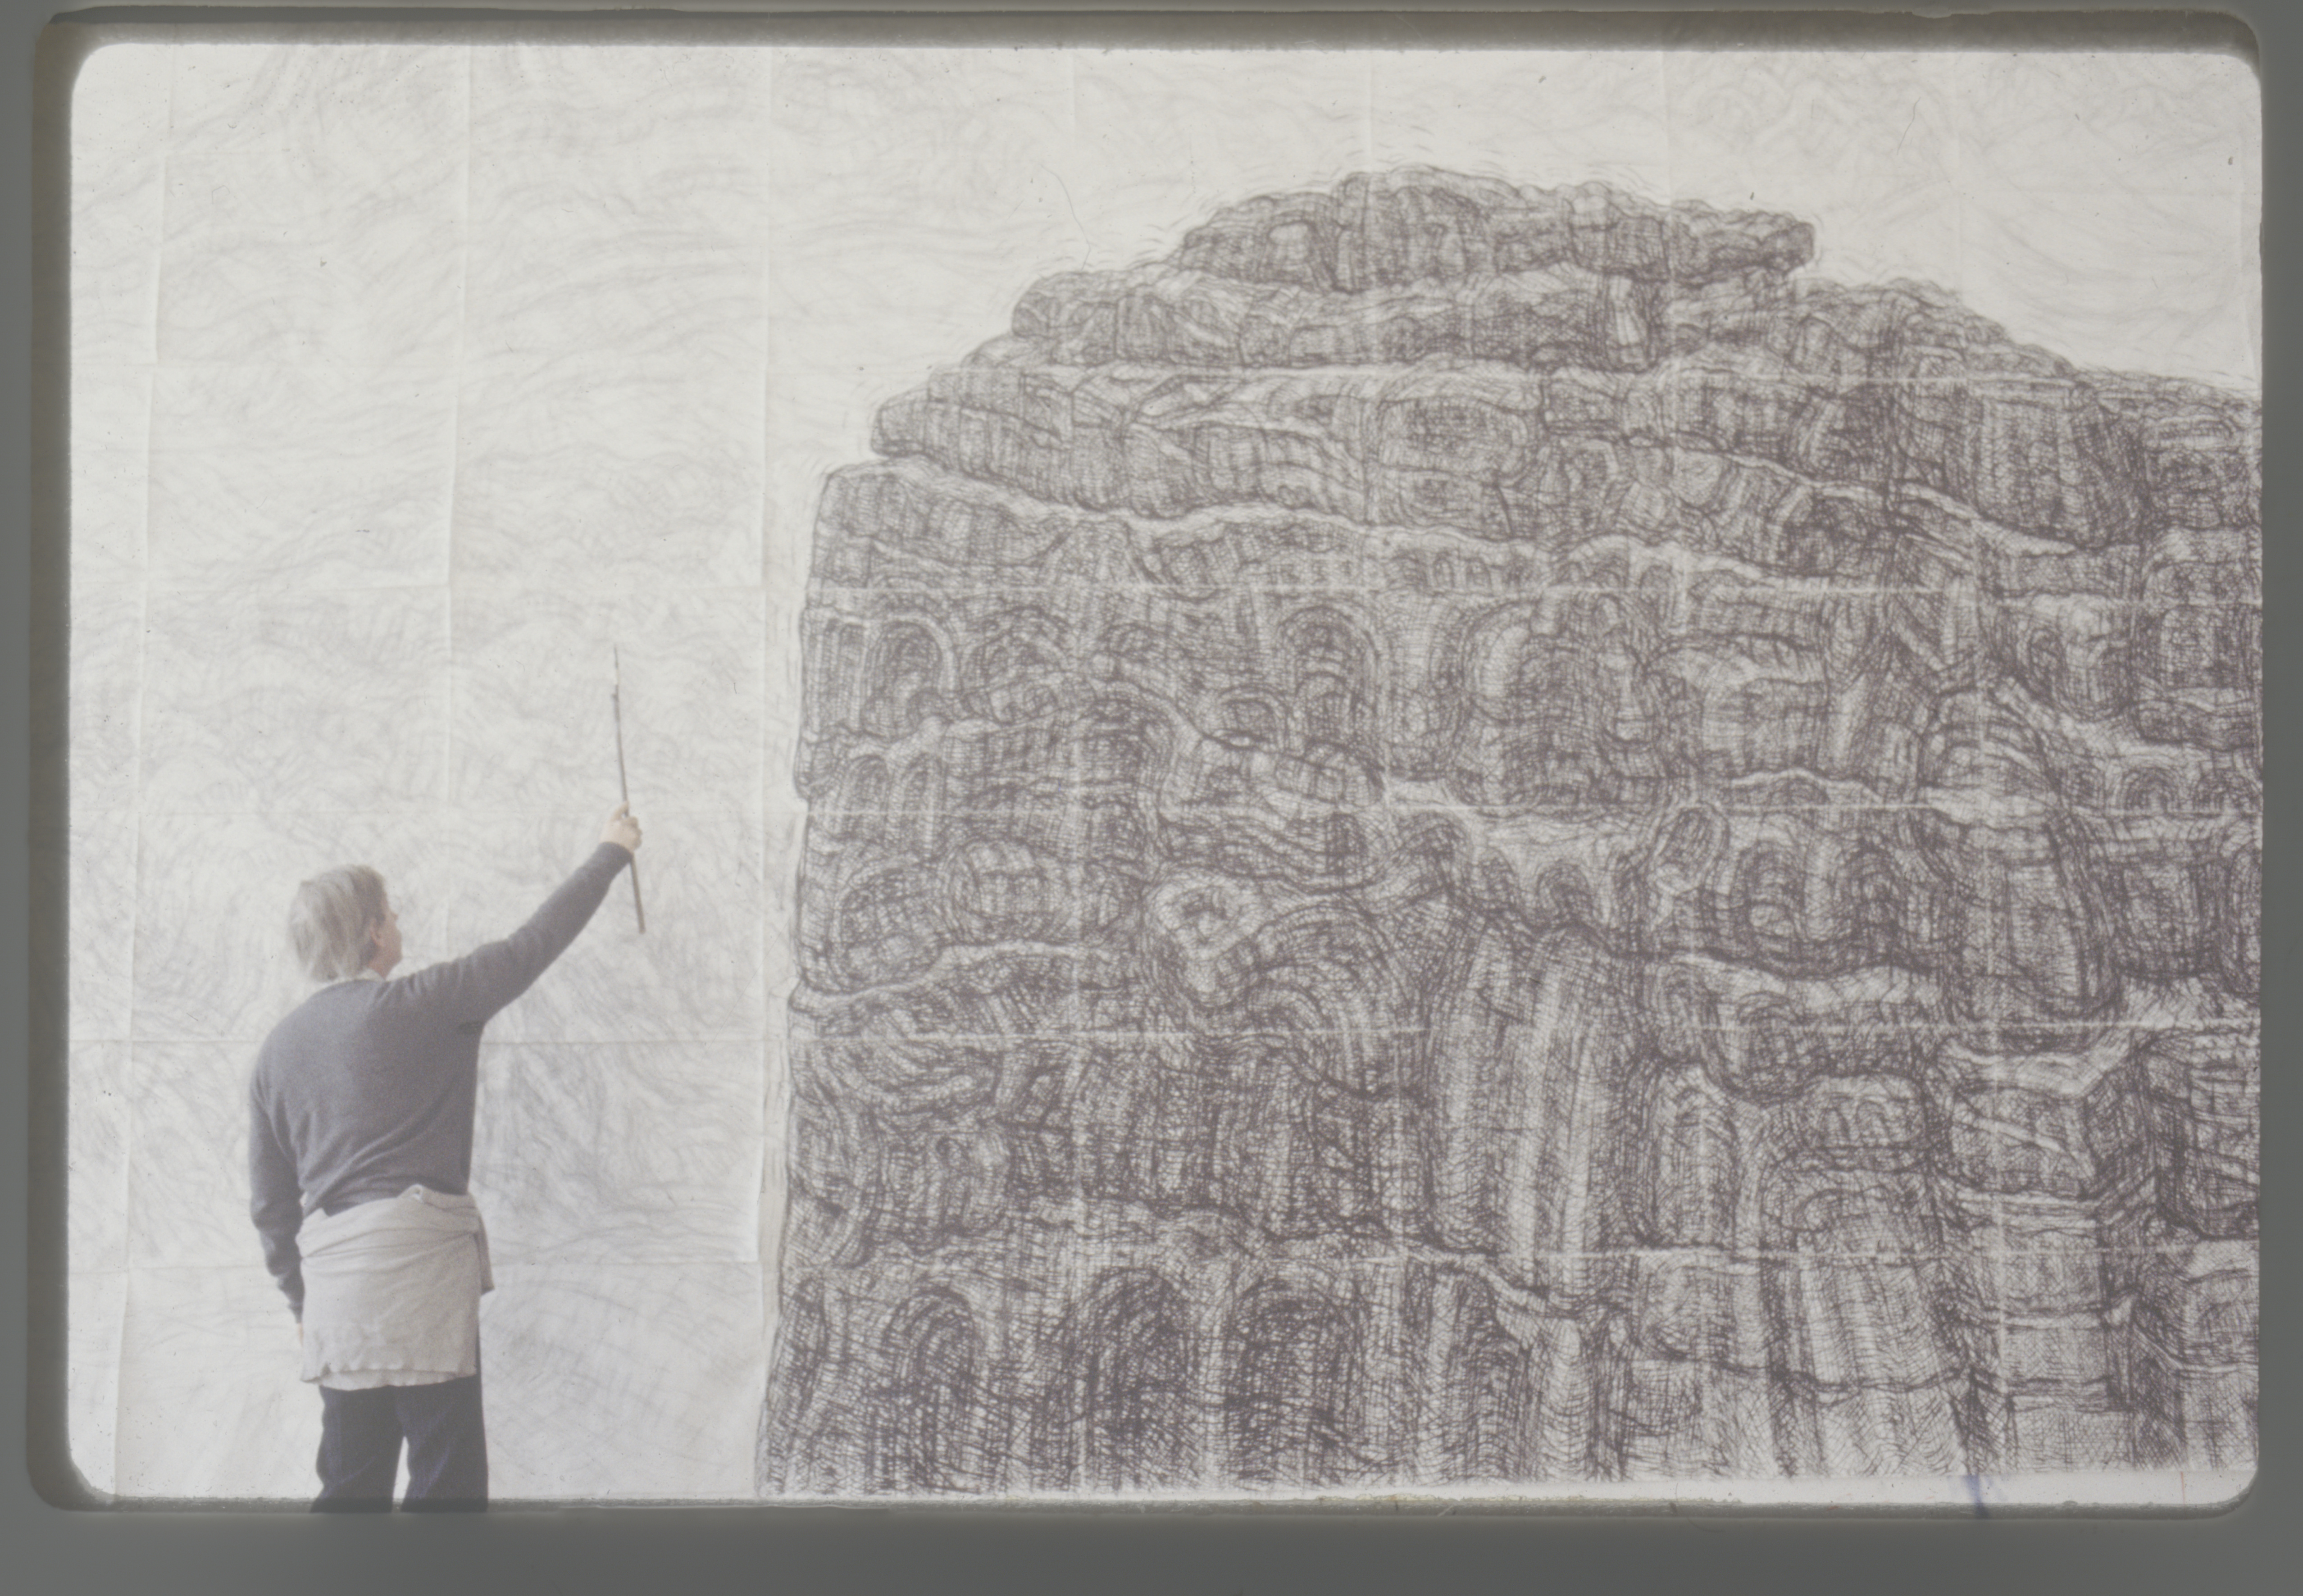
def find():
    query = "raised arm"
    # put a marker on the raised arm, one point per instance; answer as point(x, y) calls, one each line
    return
point(471, 989)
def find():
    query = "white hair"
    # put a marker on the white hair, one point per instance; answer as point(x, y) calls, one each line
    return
point(332, 922)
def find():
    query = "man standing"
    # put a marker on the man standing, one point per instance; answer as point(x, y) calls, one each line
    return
point(359, 1159)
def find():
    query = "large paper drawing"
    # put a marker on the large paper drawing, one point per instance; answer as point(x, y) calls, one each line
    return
point(1539, 823)
point(1465, 836)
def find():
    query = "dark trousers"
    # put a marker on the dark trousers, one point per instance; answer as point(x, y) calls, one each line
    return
point(361, 1433)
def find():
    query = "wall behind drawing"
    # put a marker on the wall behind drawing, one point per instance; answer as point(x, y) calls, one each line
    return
point(406, 378)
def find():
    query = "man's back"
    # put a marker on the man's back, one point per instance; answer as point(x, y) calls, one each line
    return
point(369, 1089)
point(368, 1086)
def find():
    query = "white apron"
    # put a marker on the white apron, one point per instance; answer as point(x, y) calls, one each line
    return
point(392, 1291)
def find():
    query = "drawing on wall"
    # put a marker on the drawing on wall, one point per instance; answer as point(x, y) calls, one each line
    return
point(1458, 832)
point(1471, 834)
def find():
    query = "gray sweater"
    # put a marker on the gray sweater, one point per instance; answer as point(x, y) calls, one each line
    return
point(367, 1087)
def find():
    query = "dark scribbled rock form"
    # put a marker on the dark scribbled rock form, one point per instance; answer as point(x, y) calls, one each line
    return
point(1467, 836)
point(1419, 225)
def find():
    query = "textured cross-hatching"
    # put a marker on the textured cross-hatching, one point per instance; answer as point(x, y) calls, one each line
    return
point(1467, 835)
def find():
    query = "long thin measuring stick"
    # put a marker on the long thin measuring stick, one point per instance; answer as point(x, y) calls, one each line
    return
point(616, 698)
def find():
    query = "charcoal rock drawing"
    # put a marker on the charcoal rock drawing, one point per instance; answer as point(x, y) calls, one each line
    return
point(1472, 835)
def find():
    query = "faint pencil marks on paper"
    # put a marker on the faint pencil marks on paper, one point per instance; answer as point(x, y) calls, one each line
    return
point(1465, 836)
